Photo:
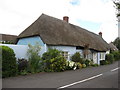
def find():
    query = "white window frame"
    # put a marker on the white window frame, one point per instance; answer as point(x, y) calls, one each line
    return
point(65, 54)
point(102, 56)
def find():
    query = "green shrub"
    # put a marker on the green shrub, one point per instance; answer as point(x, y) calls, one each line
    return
point(104, 62)
point(84, 66)
point(70, 65)
point(95, 65)
point(23, 72)
point(9, 66)
point(79, 65)
point(76, 57)
point(91, 63)
point(116, 55)
point(34, 63)
point(53, 61)
point(87, 62)
point(22, 64)
point(109, 58)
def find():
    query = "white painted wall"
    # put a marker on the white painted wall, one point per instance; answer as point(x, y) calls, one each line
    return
point(107, 52)
point(71, 50)
point(95, 57)
point(98, 58)
point(21, 50)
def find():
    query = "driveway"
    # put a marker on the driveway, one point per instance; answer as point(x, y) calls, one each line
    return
point(93, 77)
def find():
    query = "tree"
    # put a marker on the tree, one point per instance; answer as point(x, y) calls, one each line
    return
point(117, 5)
point(117, 43)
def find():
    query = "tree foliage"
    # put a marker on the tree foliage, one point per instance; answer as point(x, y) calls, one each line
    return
point(117, 43)
point(117, 5)
point(34, 58)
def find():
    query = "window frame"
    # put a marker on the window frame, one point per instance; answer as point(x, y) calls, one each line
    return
point(65, 54)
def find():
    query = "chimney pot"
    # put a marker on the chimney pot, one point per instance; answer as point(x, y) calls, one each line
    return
point(100, 33)
point(66, 18)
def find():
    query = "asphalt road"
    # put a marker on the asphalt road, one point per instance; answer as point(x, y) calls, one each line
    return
point(93, 77)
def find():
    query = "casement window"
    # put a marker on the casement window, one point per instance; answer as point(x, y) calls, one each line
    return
point(65, 54)
point(102, 56)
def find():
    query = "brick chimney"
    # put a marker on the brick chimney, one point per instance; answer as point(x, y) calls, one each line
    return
point(66, 18)
point(100, 33)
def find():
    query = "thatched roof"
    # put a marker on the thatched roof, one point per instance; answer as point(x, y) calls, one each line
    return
point(7, 37)
point(113, 47)
point(54, 31)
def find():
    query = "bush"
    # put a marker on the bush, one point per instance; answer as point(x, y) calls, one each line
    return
point(9, 65)
point(71, 65)
point(34, 63)
point(22, 64)
point(116, 55)
point(23, 72)
point(76, 57)
point(104, 62)
point(91, 63)
point(79, 65)
point(95, 65)
point(109, 58)
point(87, 62)
point(83, 65)
point(53, 61)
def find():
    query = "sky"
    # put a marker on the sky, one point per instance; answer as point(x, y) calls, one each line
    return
point(93, 15)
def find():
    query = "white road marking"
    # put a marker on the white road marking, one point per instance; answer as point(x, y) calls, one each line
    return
point(80, 81)
point(115, 69)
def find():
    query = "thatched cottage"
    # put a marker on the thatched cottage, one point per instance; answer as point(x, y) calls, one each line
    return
point(51, 32)
point(113, 47)
point(6, 38)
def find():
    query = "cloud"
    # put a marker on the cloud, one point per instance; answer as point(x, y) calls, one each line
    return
point(109, 30)
point(16, 15)
point(93, 10)
point(97, 11)
point(75, 2)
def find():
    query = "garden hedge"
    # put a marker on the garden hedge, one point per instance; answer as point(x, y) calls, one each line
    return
point(9, 66)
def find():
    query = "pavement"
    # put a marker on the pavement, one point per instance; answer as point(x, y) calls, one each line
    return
point(105, 76)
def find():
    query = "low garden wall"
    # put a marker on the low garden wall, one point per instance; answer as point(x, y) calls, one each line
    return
point(19, 50)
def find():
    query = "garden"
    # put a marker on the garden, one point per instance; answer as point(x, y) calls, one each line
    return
point(50, 61)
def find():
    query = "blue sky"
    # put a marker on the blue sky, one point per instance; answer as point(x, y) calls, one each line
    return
point(75, 2)
point(94, 15)
point(91, 26)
